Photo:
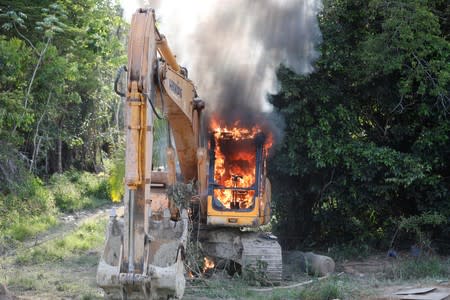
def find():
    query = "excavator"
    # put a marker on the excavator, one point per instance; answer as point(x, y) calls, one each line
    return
point(145, 250)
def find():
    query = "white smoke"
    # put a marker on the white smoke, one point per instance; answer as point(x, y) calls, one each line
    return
point(232, 48)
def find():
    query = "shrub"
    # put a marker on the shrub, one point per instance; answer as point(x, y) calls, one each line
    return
point(422, 227)
point(75, 190)
point(26, 210)
point(116, 170)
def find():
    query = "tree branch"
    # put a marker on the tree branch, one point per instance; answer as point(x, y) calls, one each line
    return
point(26, 39)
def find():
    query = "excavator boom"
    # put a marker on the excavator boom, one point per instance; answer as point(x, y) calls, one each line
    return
point(144, 251)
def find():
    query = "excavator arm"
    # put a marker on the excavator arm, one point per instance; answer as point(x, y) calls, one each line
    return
point(144, 251)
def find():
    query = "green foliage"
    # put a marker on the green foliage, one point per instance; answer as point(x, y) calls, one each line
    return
point(87, 236)
point(414, 223)
point(116, 170)
point(195, 256)
point(367, 134)
point(25, 283)
point(422, 226)
point(350, 251)
point(58, 61)
point(27, 209)
point(424, 267)
point(14, 59)
point(31, 207)
point(75, 190)
point(256, 274)
point(326, 290)
point(225, 289)
point(236, 288)
point(24, 227)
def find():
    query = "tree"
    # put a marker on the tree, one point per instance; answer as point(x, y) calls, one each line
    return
point(63, 105)
point(367, 134)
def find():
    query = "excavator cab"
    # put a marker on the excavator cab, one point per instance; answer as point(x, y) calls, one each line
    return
point(237, 195)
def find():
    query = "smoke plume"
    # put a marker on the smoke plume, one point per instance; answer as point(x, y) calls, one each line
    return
point(232, 48)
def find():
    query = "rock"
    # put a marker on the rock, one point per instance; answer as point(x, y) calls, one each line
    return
point(310, 262)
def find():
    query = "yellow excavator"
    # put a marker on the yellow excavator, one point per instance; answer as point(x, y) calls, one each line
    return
point(144, 251)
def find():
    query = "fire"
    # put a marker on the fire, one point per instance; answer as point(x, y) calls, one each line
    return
point(235, 162)
point(208, 264)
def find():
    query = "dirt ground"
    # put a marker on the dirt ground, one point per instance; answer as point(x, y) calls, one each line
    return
point(74, 277)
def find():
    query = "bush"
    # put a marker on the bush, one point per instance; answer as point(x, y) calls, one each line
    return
point(26, 210)
point(116, 170)
point(422, 226)
point(31, 207)
point(75, 190)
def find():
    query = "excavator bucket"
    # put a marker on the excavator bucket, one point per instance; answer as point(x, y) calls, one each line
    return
point(162, 276)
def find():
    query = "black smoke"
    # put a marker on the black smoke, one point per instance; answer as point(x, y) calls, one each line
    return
point(232, 48)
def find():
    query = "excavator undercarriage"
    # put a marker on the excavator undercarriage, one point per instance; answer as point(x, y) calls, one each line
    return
point(257, 253)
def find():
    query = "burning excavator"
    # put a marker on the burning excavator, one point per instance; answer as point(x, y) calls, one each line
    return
point(144, 251)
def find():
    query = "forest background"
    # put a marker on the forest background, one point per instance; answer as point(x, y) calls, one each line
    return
point(365, 158)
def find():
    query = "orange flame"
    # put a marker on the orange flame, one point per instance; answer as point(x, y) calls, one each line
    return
point(236, 168)
point(208, 264)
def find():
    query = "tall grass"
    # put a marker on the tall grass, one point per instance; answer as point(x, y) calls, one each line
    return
point(76, 190)
point(32, 206)
point(420, 267)
point(26, 211)
point(238, 288)
point(88, 236)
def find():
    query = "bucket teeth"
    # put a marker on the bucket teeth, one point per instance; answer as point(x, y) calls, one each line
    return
point(163, 267)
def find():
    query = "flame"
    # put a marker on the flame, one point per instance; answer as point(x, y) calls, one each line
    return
point(236, 167)
point(236, 132)
point(208, 264)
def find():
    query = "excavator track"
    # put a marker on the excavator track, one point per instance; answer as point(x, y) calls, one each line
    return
point(262, 253)
point(257, 252)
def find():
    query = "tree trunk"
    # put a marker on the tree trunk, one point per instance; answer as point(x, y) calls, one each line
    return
point(33, 76)
point(46, 162)
point(36, 146)
point(60, 168)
